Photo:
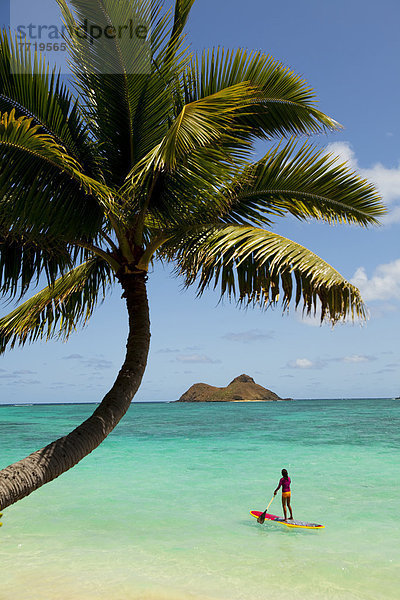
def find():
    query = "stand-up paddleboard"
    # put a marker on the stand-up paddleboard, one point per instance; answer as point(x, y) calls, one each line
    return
point(290, 523)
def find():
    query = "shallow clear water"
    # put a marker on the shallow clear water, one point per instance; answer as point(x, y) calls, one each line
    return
point(161, 510)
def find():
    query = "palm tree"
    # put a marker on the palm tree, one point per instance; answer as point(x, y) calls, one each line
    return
point(149, 162)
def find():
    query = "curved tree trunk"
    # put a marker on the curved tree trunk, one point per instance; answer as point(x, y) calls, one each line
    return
point(23, 477)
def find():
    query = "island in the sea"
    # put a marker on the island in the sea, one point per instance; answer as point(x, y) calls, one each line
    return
point(241, 389)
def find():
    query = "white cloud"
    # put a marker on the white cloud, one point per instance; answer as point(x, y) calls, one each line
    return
point(97, 363)
point(245, 337)
point(18, 378)
point(353, 358)
point(384, 283)
point(167, 350)
point(27, 382)
point(358, 358)
point(344, 152)
point(196, 358)
point(305, 363)
point(387, 180)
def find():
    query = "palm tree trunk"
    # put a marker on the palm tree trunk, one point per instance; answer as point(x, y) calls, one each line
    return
point(23, 477)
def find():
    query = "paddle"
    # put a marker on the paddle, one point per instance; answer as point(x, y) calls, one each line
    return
point(261, 518)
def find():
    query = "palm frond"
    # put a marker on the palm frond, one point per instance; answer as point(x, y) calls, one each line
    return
point(58, 309)
point(33, 91)
point(126, 80)
point(23, 261)
point(178, 179)
point(305, 182)
point(187, 195)
point(200, 124)
point(44, 188)
point(107, 41)
point(285, 105)
point(182, 10)
point(254, 266)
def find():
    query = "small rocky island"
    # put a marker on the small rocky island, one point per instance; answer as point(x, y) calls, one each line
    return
point(241, 389)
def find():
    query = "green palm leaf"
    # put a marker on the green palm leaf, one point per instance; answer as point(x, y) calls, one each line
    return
point(58, 309)
point(195, 157)
point(42, 187)
point(182, 10)
point(187, 195)
point(285, 104)
point(32, 91)
point(126, 81)
point(202, 123)
point(254, 266)
point(24, 261)
point(306, 183)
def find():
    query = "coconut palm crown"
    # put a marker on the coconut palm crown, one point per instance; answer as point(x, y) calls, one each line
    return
point(148, 157)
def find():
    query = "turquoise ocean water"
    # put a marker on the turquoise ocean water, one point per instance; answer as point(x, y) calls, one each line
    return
point(161, 510)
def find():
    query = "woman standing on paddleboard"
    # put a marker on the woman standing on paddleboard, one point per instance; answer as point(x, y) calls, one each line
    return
point(285, 483)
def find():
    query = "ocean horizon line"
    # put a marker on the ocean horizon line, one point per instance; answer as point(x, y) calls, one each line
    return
point(26, 404)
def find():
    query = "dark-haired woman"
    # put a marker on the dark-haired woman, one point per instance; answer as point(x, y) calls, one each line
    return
point(284, 482)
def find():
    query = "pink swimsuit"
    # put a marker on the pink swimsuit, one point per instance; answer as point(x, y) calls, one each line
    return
point(285, 483)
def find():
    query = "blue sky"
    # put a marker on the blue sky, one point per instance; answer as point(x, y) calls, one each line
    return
point(348, 52)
